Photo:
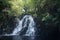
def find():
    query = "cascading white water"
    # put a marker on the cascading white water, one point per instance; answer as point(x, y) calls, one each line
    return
point(26, 22)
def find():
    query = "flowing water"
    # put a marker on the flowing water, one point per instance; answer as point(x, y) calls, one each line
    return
point(25, 30)
point(27, 25)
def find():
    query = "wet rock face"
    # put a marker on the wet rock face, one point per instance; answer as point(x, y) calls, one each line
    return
point(8, 25)
point(13, 22)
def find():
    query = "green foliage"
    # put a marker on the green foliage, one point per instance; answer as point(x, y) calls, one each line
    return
point(3, 4)
point(16, 7)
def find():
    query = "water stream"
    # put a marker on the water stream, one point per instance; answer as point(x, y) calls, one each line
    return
point(27, 25)
point(25, 30)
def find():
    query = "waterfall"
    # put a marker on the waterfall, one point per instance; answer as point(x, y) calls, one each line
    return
point(27, 25)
